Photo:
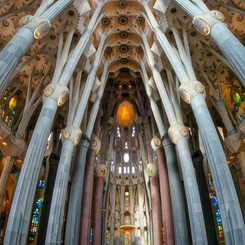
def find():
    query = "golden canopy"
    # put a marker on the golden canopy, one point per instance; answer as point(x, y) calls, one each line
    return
point(125, 114)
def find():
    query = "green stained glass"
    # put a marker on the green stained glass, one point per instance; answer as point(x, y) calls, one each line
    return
point(237, 99)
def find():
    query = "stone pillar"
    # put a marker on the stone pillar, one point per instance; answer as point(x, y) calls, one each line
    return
point(156, 204)
point(19, 218)
point(122, 205)
point(71, 137)
point(9, 162)
point(179, 135)
point(53, 166)
point(141, 212)
point(197, 158)
point(167, 218)
point(112, 215)
point(97, 203)
point(76, 194)
point(31, 28)
point(230, 210)
point(88, 192)
point(212, 23)
point(177, 196)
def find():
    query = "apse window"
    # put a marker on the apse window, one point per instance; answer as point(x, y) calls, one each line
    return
point(126, 157)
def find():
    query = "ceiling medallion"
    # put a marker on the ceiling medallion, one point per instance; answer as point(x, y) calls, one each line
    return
point(239, 17)
point(108, 49)
point(139, 49)
point(124, 61)
point(52, 37)
point(123, 34)
point(140, 20)
point(105, 21)
point(71, 12)
point(123, 20)
point(123, 48)
point(173, 10)
point(5, 23)
point(122, 4)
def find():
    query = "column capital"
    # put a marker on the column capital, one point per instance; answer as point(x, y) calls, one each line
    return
point(177, 132)
point(190, 89)
point(72, 134)
point(39, 26)
point(95, 143)
point(156, 142)
point(100, 170)
point(203, 22)
point(152, 169)
point(57, 92)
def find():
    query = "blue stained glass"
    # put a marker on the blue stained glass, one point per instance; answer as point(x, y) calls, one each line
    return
point(214, 201)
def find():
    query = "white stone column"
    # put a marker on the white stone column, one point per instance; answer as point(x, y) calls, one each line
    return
point(32, 28)
point(141, 211)
point(112, 214)
point(191, 189)
point(193, 92)
point(75, 200)
point(19, 218)
point(230, 210)
point(71, 135)
point(211, 23)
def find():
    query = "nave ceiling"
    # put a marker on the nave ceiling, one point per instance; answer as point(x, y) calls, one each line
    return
point(123, 23)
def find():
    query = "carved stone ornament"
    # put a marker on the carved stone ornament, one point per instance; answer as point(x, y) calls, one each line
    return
point(42, 29)
point(201, 26)
point(177, 131)
point(25, 19)
point(152, 169)
point(217, 15)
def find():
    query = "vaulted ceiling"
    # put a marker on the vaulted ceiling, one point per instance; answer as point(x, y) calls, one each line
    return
point(123, 23)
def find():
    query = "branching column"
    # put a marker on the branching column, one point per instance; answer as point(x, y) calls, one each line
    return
point(176, 132)
point(55, 94)
point(31, 28)
point(177, 195)
point(167, 218)
point(98, 195)
point(141, 212)
point(76, 194)
point(204, 195)
point(88, 191)
point(211, 23)
point(193, 93)
point(53, 162)
point(112, 214)
point(156, 204)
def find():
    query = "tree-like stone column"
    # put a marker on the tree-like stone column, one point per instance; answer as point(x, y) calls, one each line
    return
point(212, 23)
point(179, 135)
point(193, 92)
point(98, 196)
point(75, 199)
point(53, 162)
point(88, 191)
point(156, 203)
point(177, 194)
point(167, 218)
point(32, 28)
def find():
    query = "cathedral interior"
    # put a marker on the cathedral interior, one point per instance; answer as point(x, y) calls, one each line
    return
point(122, 122)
